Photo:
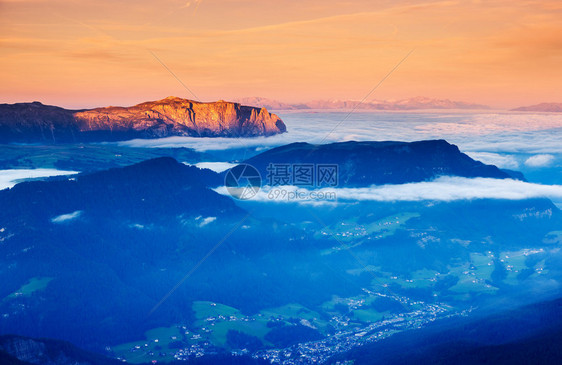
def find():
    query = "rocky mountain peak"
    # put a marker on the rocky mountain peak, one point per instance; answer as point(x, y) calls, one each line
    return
point(172, 116)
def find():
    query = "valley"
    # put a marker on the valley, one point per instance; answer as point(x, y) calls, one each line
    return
point(294, 283)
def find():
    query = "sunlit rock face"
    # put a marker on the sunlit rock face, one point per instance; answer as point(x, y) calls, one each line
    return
point(176, 116)
point(35, 122)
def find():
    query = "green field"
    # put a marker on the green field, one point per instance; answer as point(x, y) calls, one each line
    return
point(209, 315)
point(420, 279)
point(349, 233)
point(514, 263)
point(155, 346)
point(296, 311)
point(292, 310)
point(255, 327)
point(475, 276)
point(213, 321)
point(205, 310)
point(358, 308)
point(367, 268)
point(368, 316)
point(539, 269)
point(553, 238)
point(32, 286)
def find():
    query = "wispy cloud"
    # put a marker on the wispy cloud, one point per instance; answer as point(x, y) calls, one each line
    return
point(63, 218)
point(441, 189)
point(499, 160)
point(539, 160)
point(205, 221)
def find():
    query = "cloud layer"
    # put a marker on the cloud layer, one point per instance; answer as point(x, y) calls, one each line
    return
point(539, 160)
point(441, 189)
point(9, 178)
point(491, 133)
point(490, 158)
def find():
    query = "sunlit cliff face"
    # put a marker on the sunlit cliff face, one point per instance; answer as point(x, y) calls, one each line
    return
point(172, 116)
point(93, 53)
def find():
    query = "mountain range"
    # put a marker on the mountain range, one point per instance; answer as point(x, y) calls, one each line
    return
point(416, 103)
point(377, 163)
point(542, 107)
point(172, 116)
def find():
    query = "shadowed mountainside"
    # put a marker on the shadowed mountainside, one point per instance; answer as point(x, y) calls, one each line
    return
point(18, 350)
point(530, 334)
point(368, 163)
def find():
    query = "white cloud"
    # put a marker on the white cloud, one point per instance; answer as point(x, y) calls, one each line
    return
point(203, 144)
point(9, 178)
point(441, 189)
point(454, 188)
point(206, 221)
point(539, 160)
point(67, 217)
point(215, 166)
point(490, 158)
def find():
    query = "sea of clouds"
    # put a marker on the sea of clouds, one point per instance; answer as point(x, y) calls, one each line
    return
point(528, 142)
point(508, 140)
point(9, 178)
point(498, 132)
point(518, 141)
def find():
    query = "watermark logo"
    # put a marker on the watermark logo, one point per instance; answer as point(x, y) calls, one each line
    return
point(243, 181)
point(284, 194)
point(303, 174)
point(285, 182)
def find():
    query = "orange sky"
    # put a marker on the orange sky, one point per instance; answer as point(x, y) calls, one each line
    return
point(84, 53)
